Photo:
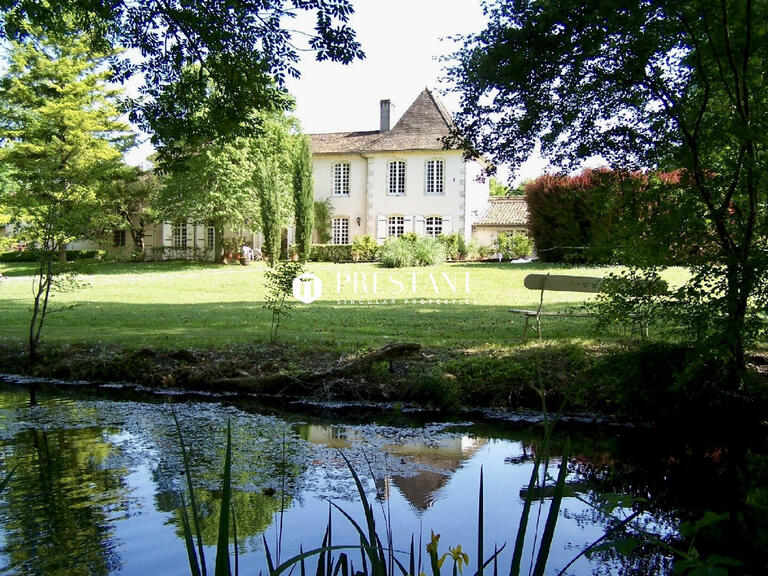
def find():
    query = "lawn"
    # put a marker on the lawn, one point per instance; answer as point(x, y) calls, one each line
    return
point(180, 304)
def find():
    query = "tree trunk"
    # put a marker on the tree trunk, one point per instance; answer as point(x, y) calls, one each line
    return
point(218, 244)
point(137, 235)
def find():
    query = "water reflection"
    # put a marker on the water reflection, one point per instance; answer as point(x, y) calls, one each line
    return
point(98, 484)
point(61, 503)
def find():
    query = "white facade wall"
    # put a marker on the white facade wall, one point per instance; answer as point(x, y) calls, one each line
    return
point(370, 201)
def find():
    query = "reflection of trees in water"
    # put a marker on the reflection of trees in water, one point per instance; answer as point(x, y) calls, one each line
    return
point(676, 487)
point(267, 465)
point(57, 510)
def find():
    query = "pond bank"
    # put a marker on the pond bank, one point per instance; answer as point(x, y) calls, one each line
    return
point(650, 384)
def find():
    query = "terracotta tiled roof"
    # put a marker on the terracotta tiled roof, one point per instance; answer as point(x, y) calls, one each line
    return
point(504, 211)
point(422, 127)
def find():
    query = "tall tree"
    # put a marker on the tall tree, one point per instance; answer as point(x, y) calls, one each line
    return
point(129, 200)
point(657, 83)
point(216, 183)
point(238, 48)
point(270, 188)
point(303, 198)
point(61, 137)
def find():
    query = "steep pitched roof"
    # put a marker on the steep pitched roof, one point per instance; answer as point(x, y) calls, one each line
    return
point(422, 127)
point(504, 211)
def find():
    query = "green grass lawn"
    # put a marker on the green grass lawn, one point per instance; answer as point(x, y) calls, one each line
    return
point(181, 304)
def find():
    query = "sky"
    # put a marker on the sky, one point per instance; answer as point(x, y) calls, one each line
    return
point(403, 41)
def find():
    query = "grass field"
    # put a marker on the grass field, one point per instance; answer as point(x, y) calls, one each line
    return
point(181, 304)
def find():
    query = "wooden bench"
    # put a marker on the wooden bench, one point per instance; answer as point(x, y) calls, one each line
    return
point(557, 283)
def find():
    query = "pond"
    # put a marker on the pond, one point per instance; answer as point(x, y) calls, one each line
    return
point(98, 485)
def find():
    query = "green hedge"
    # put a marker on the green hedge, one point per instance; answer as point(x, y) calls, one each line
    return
point(34, 255)
point(331, 253)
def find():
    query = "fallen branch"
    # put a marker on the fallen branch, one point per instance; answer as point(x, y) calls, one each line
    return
point(294, 382)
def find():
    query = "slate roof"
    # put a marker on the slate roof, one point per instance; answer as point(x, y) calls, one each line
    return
point(504, 211)
point(422, 127)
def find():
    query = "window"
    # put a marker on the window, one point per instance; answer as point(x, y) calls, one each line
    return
point(340, 230)
point(179, 233)
point(341, 179)
point(396, 177)
point(210, 236)
point(118, 238)
point(433, 225)
point(434, 177)
point(395, 226)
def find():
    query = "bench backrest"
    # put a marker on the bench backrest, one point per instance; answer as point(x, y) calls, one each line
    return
point(563, 283)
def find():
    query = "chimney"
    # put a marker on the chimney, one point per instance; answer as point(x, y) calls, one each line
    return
point(386, 113)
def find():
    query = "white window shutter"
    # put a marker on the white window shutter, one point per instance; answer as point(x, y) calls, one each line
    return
point(419, 226)
point(381, 228)
point(447, 224)
point(167, 234)
point(408, 223)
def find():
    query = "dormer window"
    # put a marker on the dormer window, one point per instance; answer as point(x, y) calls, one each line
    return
point(396, 178)
point(434, 172)
point(341, 179)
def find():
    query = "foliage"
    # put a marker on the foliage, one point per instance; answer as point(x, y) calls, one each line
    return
point(34, 256)
point(279, 299)
point(303, 198)
point(61, 137)
point(455, 245)
point(681, 85)
point(412, 251)
point(269, 188)
point(365, 248)
point(514, 246)
point(129, 199)
point(238, 49)
point(323, 211)
point(222, 183)
point(332, 253)
point(636, 296)
point(615, 216)
point(496, 188)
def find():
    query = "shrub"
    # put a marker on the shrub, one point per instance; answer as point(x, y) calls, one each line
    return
point(396, 253)
point(365, 248)
point(514, 246)
point(455, 245)
point(331, 253)
point(34, 255)
point(427, 252)
point(412, 250)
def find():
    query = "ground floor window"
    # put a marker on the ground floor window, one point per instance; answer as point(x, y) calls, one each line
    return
point(118, 238)
point(433, 225)
point(340, 230)
point(210, 236)
point(179, 233)
point(395, 226)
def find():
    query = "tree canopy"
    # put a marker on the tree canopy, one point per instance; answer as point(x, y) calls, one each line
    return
point(653, 84)
point(205, 65)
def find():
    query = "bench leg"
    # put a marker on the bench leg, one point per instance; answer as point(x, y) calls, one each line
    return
point(525, 330)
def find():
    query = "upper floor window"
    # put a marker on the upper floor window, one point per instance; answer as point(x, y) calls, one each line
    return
point(434, 175)
point(395, 226)
point(396, 177)
point(340, 230)
point(433, 225)
point(118, 238)
point(341, 179)
point(179, 233)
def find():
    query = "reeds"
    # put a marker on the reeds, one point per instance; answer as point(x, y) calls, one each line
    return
point(375, 559)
